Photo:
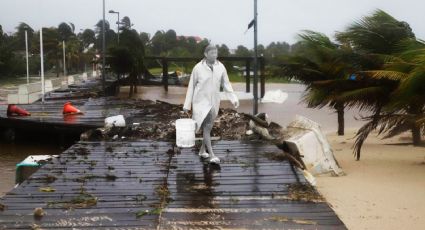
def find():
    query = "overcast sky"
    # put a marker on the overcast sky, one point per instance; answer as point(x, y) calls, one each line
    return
point(221, 21)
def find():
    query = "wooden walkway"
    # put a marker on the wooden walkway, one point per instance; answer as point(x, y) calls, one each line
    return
point(47, 119)
point(152, 185)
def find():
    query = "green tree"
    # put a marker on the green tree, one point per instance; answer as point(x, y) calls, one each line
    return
point(242, 51)
point(374, 38)
point(127, 57)
point(223, 50)
point(65, 31)
point(324, 67)
point(20, 36)
point(110, 35)
point(158, 43)
point(87, 37)
point(126, 23)
point(405, 109)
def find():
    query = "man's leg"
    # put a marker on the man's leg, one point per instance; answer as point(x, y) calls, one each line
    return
point(202, 153)
point(208, 124)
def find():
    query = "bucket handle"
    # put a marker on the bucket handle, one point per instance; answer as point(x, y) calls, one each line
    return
point(184, 114)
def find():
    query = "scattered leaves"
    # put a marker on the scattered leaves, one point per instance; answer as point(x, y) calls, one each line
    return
point(47, 189)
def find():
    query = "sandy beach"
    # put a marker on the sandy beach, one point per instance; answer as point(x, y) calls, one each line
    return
point(384, 190)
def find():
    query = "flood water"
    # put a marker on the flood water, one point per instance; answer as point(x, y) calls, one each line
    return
point(13, 153)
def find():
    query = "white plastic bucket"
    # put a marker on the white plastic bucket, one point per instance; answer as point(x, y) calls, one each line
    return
point(117, 121)
point(185, 132)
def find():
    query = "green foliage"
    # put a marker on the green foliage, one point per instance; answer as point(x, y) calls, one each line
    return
point(377, 65)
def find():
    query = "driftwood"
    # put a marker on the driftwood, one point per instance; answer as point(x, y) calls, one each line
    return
point(257, 119)
point(259, 125)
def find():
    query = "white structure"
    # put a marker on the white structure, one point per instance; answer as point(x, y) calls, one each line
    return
point(308, 139)
point(29, 93)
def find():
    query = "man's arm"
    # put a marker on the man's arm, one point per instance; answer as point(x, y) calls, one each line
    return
point(190, 90)
point(227, 87)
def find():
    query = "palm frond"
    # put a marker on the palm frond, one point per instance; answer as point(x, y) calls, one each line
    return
point(388, 74)
point(364, 132)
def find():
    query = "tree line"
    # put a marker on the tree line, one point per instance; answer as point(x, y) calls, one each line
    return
point(82, 47)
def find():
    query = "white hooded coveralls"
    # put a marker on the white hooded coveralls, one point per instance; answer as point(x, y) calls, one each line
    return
point(204, 90)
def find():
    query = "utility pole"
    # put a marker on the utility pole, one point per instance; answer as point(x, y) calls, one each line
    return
point(64, 64)
point(42, 65)
point(26, 51)
point(103, 50)
point(255, 61)
point(118, 23)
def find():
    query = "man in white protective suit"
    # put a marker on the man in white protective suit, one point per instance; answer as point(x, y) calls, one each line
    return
point(203, 94)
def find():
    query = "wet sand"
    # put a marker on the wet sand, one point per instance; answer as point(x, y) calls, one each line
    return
point(384, 190)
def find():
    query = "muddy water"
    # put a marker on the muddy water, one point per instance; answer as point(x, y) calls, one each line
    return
point(279, 113)
point(11, 154)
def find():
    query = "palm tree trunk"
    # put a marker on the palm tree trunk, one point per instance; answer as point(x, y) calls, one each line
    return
point(416, 135)
point(340, 111)
point(135, 80)
point(415, 110)
point(57, 67)
point(131, 84)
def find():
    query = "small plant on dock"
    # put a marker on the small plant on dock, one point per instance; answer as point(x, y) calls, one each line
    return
point(38, 213)
point(81, 151)
point(109, 149)
point(2, 207)
point(110, 177)
point(49, 178)
point(304, 192)
point(83, 200)
point(47, 189)
point(156, 211)
point(140, 198)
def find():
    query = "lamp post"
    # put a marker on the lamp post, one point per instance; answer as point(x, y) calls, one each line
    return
point(64, 64)
point(255, 61)
point(103, 49)
point(26, 52)
point(42, 65)
point(118, 23)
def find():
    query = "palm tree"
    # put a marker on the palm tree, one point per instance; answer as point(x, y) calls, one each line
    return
point(374, 38)
point(127, 57)
point(324, 67)
point(406, 107)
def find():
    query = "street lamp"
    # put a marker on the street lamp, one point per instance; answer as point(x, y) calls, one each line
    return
point(26, 54)
point(118, 23)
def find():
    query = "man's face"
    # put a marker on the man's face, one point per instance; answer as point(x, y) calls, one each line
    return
point(211, 55)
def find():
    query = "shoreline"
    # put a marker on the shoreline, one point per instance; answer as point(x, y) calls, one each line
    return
point(384, 190)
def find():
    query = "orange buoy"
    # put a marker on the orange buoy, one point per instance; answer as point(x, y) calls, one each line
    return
point(68, 108)
point(14, 110)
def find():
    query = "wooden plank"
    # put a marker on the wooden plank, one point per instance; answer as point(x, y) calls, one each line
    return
point(249, 190)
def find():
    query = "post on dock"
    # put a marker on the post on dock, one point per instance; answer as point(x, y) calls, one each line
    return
point(262, 76)
point(248, 75)
point(165, 73)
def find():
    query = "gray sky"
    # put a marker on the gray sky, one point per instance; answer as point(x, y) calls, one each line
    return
point(222, 21)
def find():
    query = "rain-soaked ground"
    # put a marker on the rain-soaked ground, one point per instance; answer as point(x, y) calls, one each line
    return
point(11, 154)
point(148, 184)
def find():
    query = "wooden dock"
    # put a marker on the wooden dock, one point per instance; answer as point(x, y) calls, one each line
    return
point(47, 118)
point(145, 184)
